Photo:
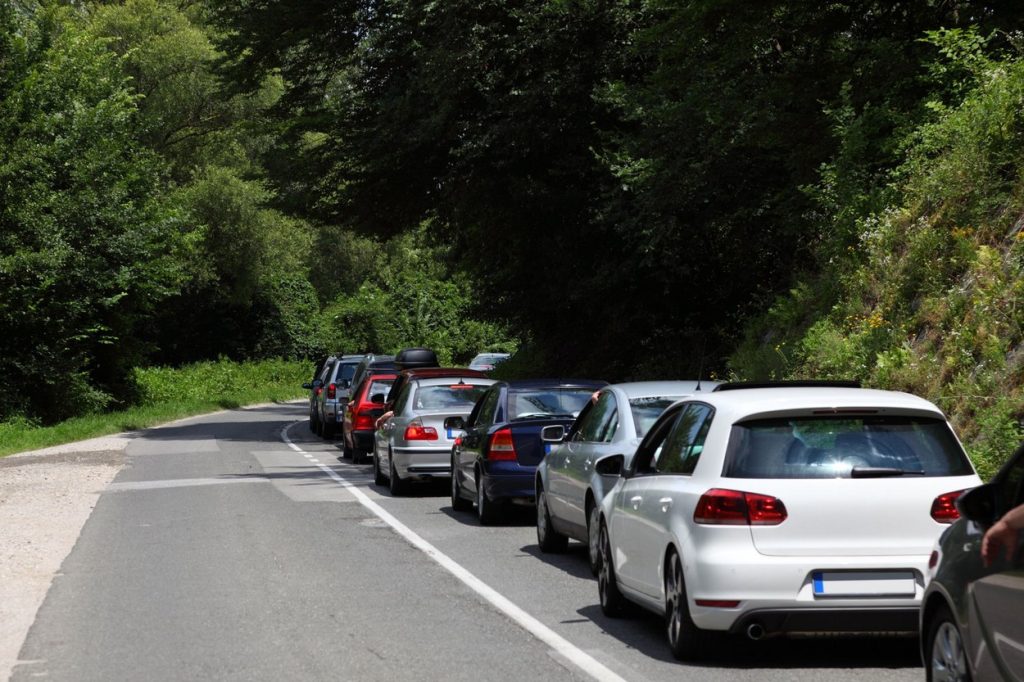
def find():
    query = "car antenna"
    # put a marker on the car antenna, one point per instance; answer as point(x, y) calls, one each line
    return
point(700, 367)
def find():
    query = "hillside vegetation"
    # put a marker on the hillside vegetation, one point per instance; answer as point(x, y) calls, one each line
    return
point(625, 189)
point(929, 298)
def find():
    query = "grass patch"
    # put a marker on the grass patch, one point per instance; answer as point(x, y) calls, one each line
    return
point(170, 394)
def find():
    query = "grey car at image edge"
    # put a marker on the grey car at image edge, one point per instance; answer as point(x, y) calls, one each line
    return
point(972, 615)
point(569, 489)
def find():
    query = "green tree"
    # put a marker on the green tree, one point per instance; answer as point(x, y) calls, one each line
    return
point(89, 246)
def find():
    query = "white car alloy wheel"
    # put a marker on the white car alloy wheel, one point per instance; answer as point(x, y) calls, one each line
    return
point(684, 638)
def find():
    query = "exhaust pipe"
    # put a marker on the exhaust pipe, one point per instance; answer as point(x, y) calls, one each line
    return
point(755, 631)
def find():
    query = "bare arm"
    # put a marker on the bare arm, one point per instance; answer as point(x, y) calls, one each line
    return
point(1003, 535)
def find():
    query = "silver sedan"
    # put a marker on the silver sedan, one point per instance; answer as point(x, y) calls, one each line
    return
point(569, 490)
point(413, 443)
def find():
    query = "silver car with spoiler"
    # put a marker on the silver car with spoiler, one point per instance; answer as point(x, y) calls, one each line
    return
point(413, 443)
point(569, 490)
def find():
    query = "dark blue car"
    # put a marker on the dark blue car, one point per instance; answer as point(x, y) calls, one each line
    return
point(494, 461)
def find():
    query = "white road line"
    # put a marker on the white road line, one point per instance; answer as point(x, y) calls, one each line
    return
point(180, 483)
point(577, 656)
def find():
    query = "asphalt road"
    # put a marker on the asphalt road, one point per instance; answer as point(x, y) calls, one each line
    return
point(222, 551)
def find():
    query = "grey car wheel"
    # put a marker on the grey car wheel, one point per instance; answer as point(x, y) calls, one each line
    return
point(613, 604)
point(549, 539)
point(593, 525)
point(947, 660)
point(396, 485)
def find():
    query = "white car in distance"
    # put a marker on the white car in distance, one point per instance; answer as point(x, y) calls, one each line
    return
point(793, 508)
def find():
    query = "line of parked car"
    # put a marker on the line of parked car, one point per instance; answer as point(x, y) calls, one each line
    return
point(799, 508)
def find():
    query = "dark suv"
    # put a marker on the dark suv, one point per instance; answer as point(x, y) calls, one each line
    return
point(330, 393)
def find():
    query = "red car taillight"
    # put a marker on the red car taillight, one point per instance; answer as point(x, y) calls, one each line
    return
point(362, 422)
point(502, 448)
point(738, 508)
point(944, 507)
point(417, 431)
point(332, 391)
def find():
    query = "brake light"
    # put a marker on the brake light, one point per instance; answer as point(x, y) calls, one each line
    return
point(502, 448)
point(738, 508)
point(944, 507)
point(417, 431)
point(318, 391)
point(363, 422)
point(332, 391)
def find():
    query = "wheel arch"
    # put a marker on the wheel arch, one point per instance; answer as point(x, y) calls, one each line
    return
point(670, 549)
point(932, 603)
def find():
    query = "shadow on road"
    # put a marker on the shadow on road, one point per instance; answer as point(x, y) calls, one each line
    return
point(645, 632)
point(573, 561)
point(514, 516)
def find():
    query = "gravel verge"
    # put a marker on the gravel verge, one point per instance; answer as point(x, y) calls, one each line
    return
point(46, 497)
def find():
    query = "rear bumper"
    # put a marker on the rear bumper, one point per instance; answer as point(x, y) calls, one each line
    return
point(778, 591)
point(518, 486)
point(362, 439)
point(422, 462)
point(880, 620)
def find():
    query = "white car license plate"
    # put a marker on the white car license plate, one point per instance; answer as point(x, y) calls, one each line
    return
point(864, 583)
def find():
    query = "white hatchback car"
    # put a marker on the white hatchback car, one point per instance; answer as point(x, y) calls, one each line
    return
point(786, 508)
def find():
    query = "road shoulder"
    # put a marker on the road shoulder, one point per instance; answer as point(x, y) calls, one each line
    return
point(46, 496)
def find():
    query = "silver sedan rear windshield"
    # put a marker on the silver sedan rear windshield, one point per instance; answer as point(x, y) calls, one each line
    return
point(847, 447)
point(454, 397)
point(647, 410)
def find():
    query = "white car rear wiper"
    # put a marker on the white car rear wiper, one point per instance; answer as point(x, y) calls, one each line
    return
point(880, 472)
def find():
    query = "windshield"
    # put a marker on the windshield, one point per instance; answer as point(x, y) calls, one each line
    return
point(458, 397)
point(813, 447)
point(647, 410)
point(547, 402)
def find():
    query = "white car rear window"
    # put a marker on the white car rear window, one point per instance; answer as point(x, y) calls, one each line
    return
point(846, 447)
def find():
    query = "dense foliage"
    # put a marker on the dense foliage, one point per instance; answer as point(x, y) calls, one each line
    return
point(88, 240)
point(630, 188)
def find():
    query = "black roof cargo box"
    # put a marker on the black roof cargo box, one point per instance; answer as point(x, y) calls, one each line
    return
point(412, 358)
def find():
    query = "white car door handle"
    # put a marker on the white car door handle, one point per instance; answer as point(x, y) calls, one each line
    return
point(666, 503)
point(635, 501)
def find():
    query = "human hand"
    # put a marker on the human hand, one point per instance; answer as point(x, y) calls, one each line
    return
point(1001, 536)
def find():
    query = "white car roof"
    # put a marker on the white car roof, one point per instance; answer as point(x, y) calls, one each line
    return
point(647, 389)
point(745, 403)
